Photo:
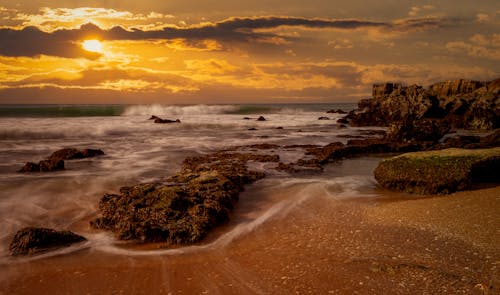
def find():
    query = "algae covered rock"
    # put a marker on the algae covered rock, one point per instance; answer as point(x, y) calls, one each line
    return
point(439, 172)
point(32, 240)
point(184, 208)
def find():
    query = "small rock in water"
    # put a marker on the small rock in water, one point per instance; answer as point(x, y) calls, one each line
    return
point(55, 161)
point(261, 118)
point(252, 129)
point(323, 118)
point(32, 240)
point(166, 121)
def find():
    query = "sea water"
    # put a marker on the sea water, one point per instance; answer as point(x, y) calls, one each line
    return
point(138, 150)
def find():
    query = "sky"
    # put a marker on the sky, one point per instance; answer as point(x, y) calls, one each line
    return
point(226, 51)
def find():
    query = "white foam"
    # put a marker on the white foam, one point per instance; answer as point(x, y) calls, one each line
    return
point(166, 110)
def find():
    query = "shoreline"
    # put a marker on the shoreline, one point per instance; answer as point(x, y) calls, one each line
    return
point(326, 245)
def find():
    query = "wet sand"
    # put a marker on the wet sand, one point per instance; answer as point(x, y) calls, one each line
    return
point(390, 244)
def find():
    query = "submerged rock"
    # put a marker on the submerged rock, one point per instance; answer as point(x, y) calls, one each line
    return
point(33, 240)
point(439, 172)
point(183, 209)
point(323, 118)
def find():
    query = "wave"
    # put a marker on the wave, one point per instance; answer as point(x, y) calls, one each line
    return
point(166, 110)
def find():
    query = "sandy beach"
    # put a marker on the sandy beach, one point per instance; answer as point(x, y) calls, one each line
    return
point(389, 244)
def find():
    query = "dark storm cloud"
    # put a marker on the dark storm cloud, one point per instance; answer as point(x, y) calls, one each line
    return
point(31, 41)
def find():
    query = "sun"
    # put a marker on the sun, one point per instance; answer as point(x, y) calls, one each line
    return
point(92, 45)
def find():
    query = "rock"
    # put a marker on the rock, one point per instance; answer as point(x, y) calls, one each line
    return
point(439, 172)
point(412, 129)
point(261, 118)
point(153, 117)
point(166, 121)
point(338, 111)
point(72, 153)
point(462, 141)
point(184, 208)
point(55, 161)
point(279, 128)
point(323, 118)
point(491, 140)
point(343, 121)
point(33, 240)
point(342, 126)
point(252, 129)
point(247, 118)
point(459, 104)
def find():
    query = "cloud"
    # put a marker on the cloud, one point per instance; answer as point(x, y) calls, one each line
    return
point(419, 10)
point(478, 46)
point(50, 19)
point(31, 41)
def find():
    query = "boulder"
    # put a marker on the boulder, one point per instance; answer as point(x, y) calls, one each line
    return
point(439, 172)
point(33, 240)
point(261, 118)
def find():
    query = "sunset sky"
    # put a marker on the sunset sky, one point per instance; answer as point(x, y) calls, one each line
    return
point(226, 51)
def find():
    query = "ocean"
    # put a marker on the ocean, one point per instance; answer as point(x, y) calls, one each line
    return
point(138, 150)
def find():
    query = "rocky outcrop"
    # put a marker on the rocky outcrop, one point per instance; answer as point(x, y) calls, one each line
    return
point(55, 162)
point(463, 104)
point(33, 240)
point(439, 172)
point(185, 207)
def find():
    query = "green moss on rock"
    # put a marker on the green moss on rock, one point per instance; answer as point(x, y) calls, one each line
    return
point(439, 172)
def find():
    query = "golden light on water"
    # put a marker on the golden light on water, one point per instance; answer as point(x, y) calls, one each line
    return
point(92, 45)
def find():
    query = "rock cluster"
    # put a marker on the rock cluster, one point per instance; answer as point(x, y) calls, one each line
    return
point(55, 161)
point(412, 111)
point(186, 206)
point(33, 240)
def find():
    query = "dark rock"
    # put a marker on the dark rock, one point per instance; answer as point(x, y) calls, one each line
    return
point(183, 209)
point(491, 140)
point(463, 141)
point(153, 117)
point(166, 121)
point(55, 161)
point(30, 167)
point(417, 130)
point(72, 153)
point(280, 128)
point(439, 172)
point(261, 118)
point(247, 118)
point(323, 118)
point(51, 164)
point(343, 121)
point(342, 126)
point(338, 111)
point(252, 129)
point(32, 240)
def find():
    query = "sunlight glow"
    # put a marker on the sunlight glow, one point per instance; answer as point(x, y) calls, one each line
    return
point(92, 45)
